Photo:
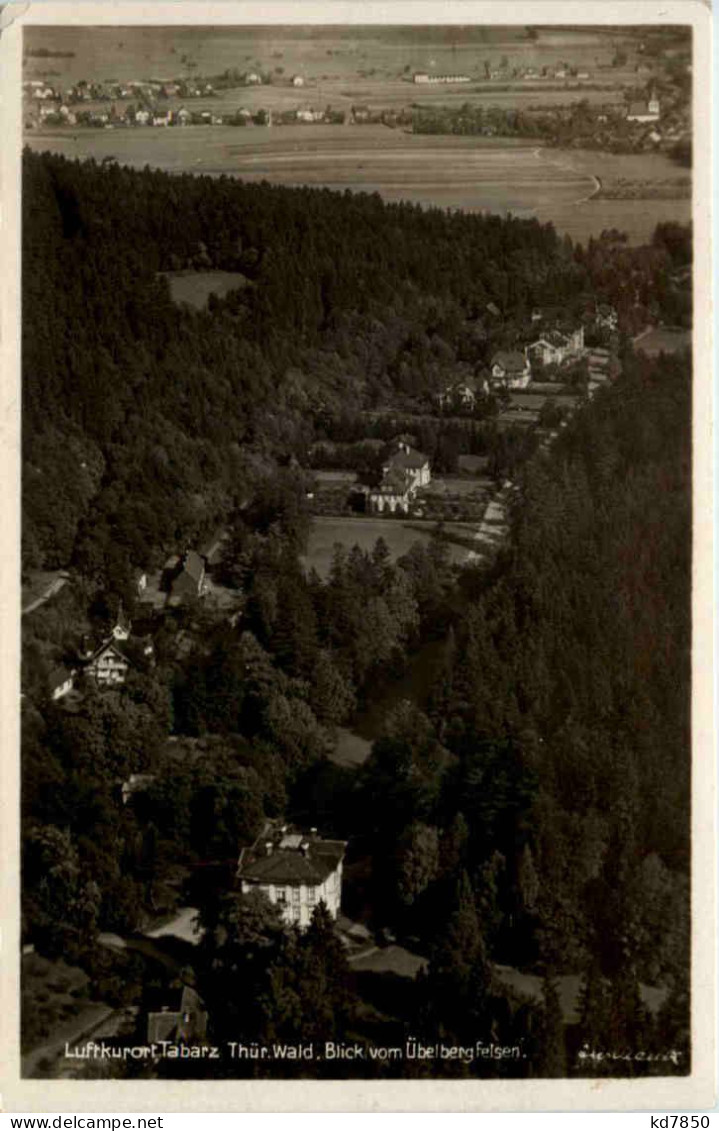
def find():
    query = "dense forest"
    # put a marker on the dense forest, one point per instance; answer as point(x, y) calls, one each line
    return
point(145, 422)
point(534, 811)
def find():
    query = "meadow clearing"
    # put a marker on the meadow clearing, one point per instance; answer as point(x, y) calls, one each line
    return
point(473, 174)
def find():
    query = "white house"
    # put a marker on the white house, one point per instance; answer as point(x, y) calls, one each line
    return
point(296, 870)
point(648, 111)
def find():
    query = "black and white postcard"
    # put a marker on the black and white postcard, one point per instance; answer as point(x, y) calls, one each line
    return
point(358, 746)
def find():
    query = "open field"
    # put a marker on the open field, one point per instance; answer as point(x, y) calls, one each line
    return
point(364, 532)
point(474, 174)
point(389, 960)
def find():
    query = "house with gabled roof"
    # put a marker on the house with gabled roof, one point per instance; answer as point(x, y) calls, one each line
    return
point(295, 869)
point(404, 471)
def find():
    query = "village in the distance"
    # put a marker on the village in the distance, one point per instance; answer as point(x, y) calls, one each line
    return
point(647, 108)
point(355, 577)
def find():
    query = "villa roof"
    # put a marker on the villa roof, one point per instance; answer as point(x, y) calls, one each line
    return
point(408, 461)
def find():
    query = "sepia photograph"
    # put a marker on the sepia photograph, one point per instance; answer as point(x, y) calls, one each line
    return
point(357, 535)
